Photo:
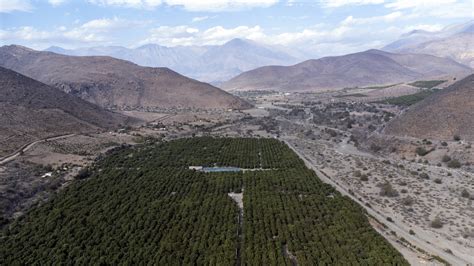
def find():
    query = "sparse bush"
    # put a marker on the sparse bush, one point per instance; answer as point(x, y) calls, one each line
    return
point(357, 173)
point(446, 159)
point(438, 181)
point(364, 178)
point(411, 232)
point(48, 168)
point(444, 144)
point(437, 223)
point(387, 190)
point(454, 164)
point(375, 148)
point(424, 176)
point(83, 173)
point(456, 137)
point(465, 193)
point(421, 151)
point(408, 201)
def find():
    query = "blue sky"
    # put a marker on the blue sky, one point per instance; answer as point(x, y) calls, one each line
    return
point(322, 27)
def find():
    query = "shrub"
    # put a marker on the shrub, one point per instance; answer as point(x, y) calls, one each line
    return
point(438, 181)
point(390, 219)
point(456, 137)
point(437, 223)
point(454, 164)
point(408, 201)
point(465, 193)
point(446, 159)
point(364, 178)
point(357, 173)
point(387, 190)
point(83, 173)
point(424, 176)
point(421, 151)
point(411, 232)
point(444, 144)
point(375, 148)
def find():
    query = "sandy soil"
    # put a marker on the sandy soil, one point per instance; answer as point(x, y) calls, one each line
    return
point(428, 198)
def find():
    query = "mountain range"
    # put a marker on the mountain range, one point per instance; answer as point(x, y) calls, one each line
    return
point(442, 115)
point(372, 67)
point(209, 63)
point(114, 83)
point(455, 42)
point(32, 110)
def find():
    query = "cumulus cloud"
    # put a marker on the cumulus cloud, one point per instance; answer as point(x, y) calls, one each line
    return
point(56, 2)
point(341, 3)
point(8, 6)
point(350, 20)
point(308, 37)
point(404, 4)
point(95, 31)
point(145, 4)
point(186, 35)
point(197, 19)
point(190, 5)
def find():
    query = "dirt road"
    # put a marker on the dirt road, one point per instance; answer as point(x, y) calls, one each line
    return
point(396, 227)
point(28, 146)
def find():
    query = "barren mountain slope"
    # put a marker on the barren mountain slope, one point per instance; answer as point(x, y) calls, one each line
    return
point(372, 67)
point(31, 110)
point(115, 83)
point(455, 42)
point(459, 47)
point(208, 63)
point(441, 116)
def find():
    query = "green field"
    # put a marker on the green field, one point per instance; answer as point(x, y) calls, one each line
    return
point(359, 95)
point(142, 205)
point(427, 84)
point(407, 100)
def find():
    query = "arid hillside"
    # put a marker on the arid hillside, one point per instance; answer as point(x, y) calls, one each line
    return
point(372, 67)
point(442, 115)
point(114, 83)
point(455, 42)
point(31, 110)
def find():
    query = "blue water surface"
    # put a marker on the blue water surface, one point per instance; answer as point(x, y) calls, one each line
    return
point(221, 169)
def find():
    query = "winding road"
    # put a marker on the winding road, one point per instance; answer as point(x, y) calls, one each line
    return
point(28, 146)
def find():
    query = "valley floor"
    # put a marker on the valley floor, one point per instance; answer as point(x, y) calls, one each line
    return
point(403, 192)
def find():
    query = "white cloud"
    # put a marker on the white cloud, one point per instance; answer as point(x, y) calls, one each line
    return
point(145, 4)
point(108, 24)
point(190, 5)
point(220, 5)
point(56, 2)
point(185, 35)
point(98, 31)
point(350, 20)
point(425, 27)
point(435, 8)
point(8, 6)
point(341, 3)
point(197, 19)
point(404, 4)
